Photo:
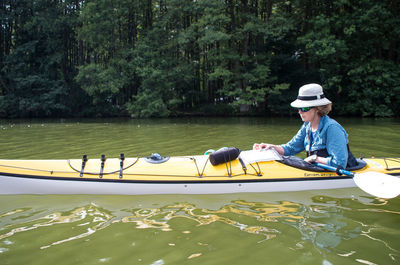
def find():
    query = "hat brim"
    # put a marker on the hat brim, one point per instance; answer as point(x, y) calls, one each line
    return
point(298, 103)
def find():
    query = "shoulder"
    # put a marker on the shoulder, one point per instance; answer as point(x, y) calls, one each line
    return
point(328, 121)
point(331, 126)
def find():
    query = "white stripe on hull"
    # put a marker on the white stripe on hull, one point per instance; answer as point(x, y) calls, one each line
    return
point(18, 185)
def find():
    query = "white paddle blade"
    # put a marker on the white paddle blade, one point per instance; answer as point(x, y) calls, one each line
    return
point(378, 184)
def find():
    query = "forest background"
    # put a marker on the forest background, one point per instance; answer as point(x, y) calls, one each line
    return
point(159, 58)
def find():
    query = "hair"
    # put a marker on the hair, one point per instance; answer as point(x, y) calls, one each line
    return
point(324, 110)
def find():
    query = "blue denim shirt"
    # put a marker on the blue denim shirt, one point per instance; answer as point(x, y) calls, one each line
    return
point(330, 135)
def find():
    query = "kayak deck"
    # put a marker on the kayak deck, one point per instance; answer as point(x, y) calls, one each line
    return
point(189, 168)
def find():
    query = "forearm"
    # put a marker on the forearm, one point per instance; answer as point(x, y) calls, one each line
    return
point(316, 159)
point(279, 149)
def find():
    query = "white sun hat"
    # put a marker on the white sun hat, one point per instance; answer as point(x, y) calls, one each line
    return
point(310, 95)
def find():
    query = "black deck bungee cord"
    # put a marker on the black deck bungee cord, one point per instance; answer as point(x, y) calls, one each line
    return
point(201, 174)
point(259, 169)
point(121, 169)
point(96, 173)
point(391, 159)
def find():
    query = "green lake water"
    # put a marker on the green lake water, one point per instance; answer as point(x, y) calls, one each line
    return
point(345, 226)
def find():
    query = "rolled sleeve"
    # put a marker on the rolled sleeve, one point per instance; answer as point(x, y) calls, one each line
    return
point(296, 144)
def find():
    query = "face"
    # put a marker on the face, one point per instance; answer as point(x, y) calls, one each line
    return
point(307, 114)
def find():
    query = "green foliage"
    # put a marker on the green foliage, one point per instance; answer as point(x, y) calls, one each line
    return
point(158, 58)
point(34, 83)
point(100, 82)
point(376, 86)
point(147, 105)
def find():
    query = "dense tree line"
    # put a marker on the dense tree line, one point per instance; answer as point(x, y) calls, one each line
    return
point(157, 58)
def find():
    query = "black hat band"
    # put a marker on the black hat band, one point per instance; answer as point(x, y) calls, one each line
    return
point(310, 97)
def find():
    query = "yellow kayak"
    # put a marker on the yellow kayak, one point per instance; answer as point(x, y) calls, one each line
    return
point(250, 172)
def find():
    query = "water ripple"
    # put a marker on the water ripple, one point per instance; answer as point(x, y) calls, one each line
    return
point(327, 225)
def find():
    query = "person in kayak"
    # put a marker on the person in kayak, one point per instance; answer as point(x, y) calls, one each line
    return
point(323, 138)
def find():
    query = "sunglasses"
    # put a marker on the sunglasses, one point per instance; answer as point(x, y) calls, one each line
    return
point(305, 109)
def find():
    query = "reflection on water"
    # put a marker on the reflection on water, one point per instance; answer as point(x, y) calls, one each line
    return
point(87, 220)
point(333, 227)
point(91, 218)
point(159, 218)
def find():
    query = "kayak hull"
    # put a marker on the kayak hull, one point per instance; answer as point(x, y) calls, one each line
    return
point(22, 185)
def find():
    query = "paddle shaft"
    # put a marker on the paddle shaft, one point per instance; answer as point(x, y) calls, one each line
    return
point(338, 170)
